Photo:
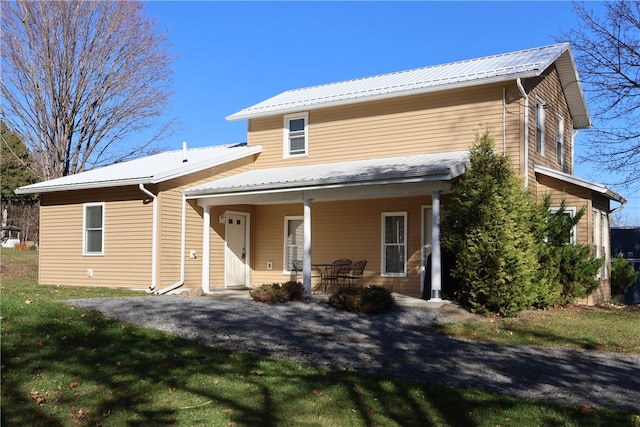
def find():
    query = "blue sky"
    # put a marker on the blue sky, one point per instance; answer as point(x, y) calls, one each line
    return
point(232, 55)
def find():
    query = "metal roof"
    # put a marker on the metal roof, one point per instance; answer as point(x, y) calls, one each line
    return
point(496, 68)
point(146, 170)
point(403, 169)
point(598, 188)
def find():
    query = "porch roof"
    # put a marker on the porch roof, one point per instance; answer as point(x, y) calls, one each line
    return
point(372, 172)
point(593, 186)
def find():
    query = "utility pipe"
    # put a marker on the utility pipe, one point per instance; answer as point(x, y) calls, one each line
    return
point(154, 229)
point(526, 131)
point(183, 245)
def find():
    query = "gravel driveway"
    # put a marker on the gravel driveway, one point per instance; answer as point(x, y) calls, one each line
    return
point(395, 344)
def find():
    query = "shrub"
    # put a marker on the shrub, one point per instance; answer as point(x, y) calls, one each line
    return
point(370, 300)
point(277, 293)
point(24, 246)
point(487, 225)
point(622, 275)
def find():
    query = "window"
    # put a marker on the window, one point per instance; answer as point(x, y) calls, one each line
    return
point(540, 126)
point(293, 241)
point(93, 225)
point(295, 135)
point(569, 212)
point(601, 241)
point(394, 244)
point(560, 141)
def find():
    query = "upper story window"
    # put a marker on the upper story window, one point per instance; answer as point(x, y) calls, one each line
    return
point(93, 229)
point(296, 135)
point(560, 141)
point(540, 126)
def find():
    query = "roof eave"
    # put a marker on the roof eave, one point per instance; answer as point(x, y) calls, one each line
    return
point(598, 188)
point(395, 94)
point(83, 186)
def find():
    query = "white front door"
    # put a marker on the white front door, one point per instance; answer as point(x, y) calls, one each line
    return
point(235, 257)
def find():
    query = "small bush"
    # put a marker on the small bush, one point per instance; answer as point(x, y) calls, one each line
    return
point(370, 300)
point(622, 275)
point(24, 246)
point(276, 292)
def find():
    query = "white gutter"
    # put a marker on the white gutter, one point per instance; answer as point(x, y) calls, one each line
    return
point(182, 250)
point(526, 132)
point(154, 230)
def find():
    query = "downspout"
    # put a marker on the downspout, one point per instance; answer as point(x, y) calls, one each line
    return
point(573, 144)
point(154, 230)
point(526, 132)
point(504, 121)
point(183, 246)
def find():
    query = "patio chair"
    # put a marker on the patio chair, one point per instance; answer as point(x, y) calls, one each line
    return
point(356, 272)
point(297, 267)
point(332, 276)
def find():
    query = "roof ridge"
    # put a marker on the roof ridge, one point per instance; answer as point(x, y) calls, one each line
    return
point(434, 66)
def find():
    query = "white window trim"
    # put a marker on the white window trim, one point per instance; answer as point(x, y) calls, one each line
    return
point(560, 139)
point(285, 132)
point(84, 229)
point(571, 210)
point(383, 258)
point(285, 264)
point(540, 117)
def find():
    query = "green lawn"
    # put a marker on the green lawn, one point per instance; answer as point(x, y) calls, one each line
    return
point(70, 367)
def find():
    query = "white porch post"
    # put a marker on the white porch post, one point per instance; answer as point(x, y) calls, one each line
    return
point(306, 259)
point(206, 245)
point(436, 261)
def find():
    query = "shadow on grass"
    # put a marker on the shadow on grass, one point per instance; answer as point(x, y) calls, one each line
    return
point(65, 366)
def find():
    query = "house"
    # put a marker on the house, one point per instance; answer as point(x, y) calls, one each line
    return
point(358, 169)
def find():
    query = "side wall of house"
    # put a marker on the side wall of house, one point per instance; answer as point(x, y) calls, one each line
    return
point(548, 89)
point(428, 123)
point(577, 197)
point(126, 261)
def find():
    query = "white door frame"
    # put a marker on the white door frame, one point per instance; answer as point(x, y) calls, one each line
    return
point(247, 249)
point(424, 253)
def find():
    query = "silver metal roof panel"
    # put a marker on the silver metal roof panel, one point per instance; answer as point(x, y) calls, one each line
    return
point(146, 170)
point(416, 168)
point(508, 66)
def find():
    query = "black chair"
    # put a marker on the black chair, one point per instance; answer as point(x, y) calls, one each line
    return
point(333, 274)
point(356, 272)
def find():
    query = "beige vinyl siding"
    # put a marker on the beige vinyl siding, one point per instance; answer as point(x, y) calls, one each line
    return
point(574, 196)
point(170, 223)
point(428, 123)
point(344, 229)
point(548, 88)
point(127, 239)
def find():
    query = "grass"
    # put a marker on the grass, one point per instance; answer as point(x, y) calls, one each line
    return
point(608, 328)
point(70, 367)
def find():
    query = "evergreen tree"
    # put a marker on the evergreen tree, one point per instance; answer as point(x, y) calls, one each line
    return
point(487, 225)
point(15, 167)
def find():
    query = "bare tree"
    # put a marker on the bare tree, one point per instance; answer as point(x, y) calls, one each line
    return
point(79, 78)
point(607, 53)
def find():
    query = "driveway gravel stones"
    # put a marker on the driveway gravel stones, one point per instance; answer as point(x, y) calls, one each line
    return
point(394, 344)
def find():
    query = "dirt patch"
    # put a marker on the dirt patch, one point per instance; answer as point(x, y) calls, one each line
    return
point(454, 313)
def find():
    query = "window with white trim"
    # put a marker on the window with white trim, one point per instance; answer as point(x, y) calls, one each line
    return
point(540, 125)
point(560, 141)
point(296, 135)
point(601, 241)
point(293, 241)
point(93, 229)
point(570, 211)
point(394, 244)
